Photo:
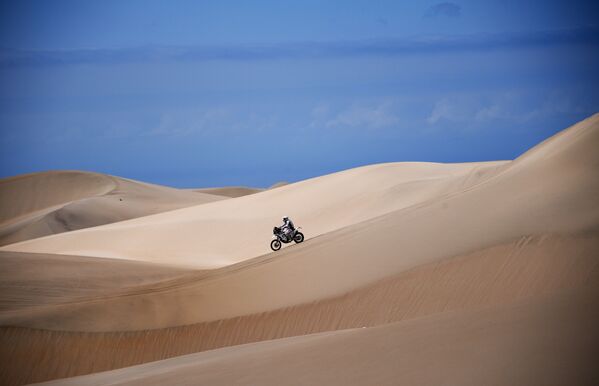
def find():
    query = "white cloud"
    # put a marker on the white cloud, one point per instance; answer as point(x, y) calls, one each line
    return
point(192, 121)
point(319, 116)
point(213, 121)
point(443, 109)
point(371, 117)
point(554, 104)
point(470, 111)
point(320, 111)
point(488, 113)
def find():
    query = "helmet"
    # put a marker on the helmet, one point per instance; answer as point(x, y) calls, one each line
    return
point(285, 218)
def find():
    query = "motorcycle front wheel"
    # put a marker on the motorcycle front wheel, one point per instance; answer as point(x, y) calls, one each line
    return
point(299, 237)
point(275, 245)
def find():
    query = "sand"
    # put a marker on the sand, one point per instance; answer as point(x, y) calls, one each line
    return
point(229, 191)
point(231, 231)
point(445, 264)
point(41, 204)
point(505, 345)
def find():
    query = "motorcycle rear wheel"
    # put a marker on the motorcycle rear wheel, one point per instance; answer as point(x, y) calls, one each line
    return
point(275, 245)
point(299, 237)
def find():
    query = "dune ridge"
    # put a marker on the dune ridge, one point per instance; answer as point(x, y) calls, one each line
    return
point(49, 189)
point(202, 236)
point(40, 204)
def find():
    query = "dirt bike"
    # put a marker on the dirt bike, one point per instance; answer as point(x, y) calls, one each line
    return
point(280, 237)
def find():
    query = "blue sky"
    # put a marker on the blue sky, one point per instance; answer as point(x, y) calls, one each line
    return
point(192, 93)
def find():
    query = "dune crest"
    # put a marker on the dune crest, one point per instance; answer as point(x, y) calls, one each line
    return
point(41, 204)
point(227, 232)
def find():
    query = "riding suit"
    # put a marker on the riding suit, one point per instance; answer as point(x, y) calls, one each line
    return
point(287, 228)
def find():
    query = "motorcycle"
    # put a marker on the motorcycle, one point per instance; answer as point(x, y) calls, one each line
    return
point(280, 237)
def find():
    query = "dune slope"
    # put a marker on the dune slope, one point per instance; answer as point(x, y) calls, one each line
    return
point(554, 183)
point(229, 231)
point(40, 204)
point(525, 270)
point(532, 196)
point(546, 342)
point(32, 280)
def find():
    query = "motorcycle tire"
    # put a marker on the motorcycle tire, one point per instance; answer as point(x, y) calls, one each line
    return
point(275, 245)
point(298, 238)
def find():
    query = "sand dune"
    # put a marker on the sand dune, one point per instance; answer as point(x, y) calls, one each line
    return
point(491, 262)
point(40, 204)
point(229, 191)
point(554, 195)
point(31, 280)
point(505, 345)
point(527, 270)
point(227, 232)
point(237, 191)
point(231, 231)
point(29, 193)
point(278, 184)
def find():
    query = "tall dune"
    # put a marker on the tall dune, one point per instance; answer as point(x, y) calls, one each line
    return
point(24, 194)
point(40, 204)
point(227, 232)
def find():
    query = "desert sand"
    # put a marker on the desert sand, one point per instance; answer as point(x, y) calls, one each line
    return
point(229, 191)
point(40, 204)
point(201, 236)
point(411, 273)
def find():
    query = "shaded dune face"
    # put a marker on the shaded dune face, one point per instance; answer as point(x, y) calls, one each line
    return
point(500, 345)
point(30, 193)
point(499, 254)
point(41, 204)
point(231, 191)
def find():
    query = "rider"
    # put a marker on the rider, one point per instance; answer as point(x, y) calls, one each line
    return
point(287, 228)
